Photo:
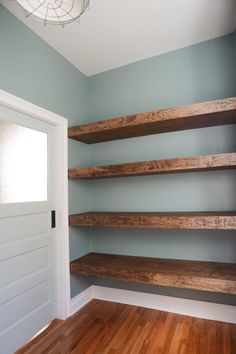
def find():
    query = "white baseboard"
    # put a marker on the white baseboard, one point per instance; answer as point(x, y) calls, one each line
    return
point(81, 300)
point(194, 308)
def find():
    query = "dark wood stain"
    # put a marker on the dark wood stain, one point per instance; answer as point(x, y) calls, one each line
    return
point(199, 115)
point(198, 275)
point(160, 220)
point(156, 167)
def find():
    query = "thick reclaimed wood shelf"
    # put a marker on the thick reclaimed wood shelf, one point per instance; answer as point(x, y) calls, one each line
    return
point(155, 167)
point(199, 115)
point(159, 220)
point(198, 275)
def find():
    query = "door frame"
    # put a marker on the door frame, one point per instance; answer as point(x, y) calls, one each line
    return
point(60, 167)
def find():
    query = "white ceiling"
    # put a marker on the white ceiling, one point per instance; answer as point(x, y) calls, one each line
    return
point(114, 33)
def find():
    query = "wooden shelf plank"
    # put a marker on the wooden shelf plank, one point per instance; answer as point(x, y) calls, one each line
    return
point(198, 275)
point(155, 167)
point(160, 220)
point(193, 116)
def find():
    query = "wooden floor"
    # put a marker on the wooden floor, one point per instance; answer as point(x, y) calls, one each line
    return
point(106, 327)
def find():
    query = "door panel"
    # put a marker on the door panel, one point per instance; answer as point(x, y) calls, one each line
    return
point(23, 246)
point(20, 306)
point(26, 225)
point(24, 284)
point(20, 332)
point(26, 247)
point(23, 265)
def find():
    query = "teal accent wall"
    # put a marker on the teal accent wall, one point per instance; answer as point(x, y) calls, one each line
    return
point(198, 73)
point(32, 70)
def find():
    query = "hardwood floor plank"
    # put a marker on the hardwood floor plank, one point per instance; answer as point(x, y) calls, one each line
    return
point(111, 328)
point(34, 342)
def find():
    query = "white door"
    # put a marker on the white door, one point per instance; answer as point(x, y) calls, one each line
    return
point(27, 252)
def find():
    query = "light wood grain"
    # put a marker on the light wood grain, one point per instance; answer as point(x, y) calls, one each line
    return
point(178, 220)
point(208, 276)
point(110, 328)
point(156, 167)
point(193, 116)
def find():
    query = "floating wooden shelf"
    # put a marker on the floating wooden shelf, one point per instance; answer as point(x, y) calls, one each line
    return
point(193, 116)
point(178, 220)
point(155, 167)
point(198, 275)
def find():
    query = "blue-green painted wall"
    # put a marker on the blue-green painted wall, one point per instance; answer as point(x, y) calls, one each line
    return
point(32, 70)
point(201, 72)
point(198, 73)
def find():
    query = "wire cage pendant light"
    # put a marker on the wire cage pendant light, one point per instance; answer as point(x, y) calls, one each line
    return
point(56, 12)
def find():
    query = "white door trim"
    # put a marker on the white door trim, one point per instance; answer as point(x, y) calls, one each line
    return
point(62, 306)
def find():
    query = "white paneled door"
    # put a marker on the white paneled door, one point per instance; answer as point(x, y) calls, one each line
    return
point(27, 247)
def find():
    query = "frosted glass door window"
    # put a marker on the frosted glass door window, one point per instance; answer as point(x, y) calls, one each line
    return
point(23, 164)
